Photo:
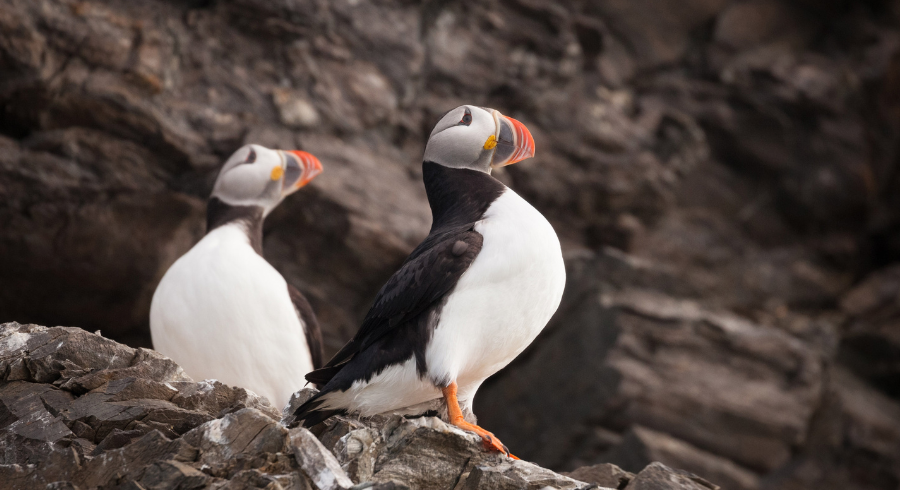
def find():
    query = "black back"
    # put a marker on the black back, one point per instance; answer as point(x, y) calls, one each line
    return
point(401, 321)
point(310, 325)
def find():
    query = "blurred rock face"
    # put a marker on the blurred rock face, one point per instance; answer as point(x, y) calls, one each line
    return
point(721, 174)
point(117, 117)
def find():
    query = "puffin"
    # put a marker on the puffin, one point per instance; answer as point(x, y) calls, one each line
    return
point(468, 299)
point(221, 311)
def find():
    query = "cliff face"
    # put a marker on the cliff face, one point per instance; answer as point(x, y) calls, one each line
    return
point(721, 173)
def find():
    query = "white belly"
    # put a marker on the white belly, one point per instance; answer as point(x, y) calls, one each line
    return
point(503, 300)
point(501, 303)
point(222, 312)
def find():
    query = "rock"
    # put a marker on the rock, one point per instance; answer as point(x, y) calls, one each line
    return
point(67, 356)
point(172, 474)
point(854, 442)
point(215, 397)
point(236, 441)
point(129, 432)
point(426, 451)
point(603, 474)
point(515, 475)
point(146, 424)
point(658, 475)
point(750, 24)
point(871, 338)
point(642, 446)
point(317, 462)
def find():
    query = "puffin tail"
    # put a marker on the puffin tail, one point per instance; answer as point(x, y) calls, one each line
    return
point(323, 375)
point(310, 414)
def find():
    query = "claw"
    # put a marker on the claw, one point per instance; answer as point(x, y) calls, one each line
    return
point(490, 441)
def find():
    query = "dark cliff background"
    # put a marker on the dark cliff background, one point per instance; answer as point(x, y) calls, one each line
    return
point(723, 175)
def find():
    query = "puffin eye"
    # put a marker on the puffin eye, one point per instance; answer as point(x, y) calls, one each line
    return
point(251, 157)
point(466, 119)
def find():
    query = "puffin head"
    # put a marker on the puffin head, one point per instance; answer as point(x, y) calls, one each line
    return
point(257, 176)
point(478, 138)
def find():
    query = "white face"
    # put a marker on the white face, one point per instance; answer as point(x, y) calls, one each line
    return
point(478, 138)
point(257, 176)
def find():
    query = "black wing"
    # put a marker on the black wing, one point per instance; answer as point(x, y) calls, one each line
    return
point(427, 276)
point(310, 325)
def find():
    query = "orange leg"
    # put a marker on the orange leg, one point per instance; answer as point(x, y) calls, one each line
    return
point(491, 443)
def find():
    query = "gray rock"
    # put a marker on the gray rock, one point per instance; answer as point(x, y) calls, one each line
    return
point(659, 476)
point(603, 474)
point(137, 432)
point(215, 397)
point(164, 475)
point(71, 358)
point(317, 463)
point(238, 441)
point(516, 475)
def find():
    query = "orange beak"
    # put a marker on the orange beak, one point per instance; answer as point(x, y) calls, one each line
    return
point(514, 142)
point(300, 168)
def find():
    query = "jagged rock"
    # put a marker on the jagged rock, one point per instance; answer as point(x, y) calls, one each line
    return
point(319, 465)
point(658, 476)
point(129, 432)
point(237, 441)
point(70, 358)
point(129, 429)
point(164, 475)
point(425, 452)
point(515, 475)
point(603, 474)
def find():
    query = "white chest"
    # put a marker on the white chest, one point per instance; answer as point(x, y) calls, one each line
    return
point(504, 299)
point(221, 311)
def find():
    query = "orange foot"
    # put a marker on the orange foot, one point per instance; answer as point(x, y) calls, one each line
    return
point(491, 443)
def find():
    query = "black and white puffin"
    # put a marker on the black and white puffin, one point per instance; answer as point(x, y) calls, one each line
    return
point(222, 311)
point(470, 297)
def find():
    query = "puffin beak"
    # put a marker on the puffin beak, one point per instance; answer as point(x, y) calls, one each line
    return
point(514, 141)
point(300, 168)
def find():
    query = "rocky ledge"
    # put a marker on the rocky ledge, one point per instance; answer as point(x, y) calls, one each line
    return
point(78, 410)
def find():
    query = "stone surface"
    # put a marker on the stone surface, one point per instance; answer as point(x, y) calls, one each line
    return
point(658, 475)
point(317, 462)
point(137, 432)
point(603, 474)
